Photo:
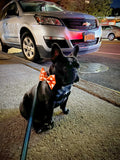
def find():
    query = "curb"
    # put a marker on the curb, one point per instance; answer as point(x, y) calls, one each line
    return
point(99, 91)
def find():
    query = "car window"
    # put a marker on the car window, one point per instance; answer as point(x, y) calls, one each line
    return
point(106, 27)
point(52, 8)
point(10, 10)
point(39, 6)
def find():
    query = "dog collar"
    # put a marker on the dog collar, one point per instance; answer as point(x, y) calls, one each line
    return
point(44, 77)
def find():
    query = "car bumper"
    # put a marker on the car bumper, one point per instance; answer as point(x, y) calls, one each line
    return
point(67, 51)
point(45, 36)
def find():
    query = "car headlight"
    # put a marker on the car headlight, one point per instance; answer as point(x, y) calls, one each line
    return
point(48, 20)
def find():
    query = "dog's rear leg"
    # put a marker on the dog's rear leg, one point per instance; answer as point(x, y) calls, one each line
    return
point(46, 123)
point(63, 107)
point(25, 106)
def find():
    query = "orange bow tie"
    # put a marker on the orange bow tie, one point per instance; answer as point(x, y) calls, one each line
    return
point(50, 80)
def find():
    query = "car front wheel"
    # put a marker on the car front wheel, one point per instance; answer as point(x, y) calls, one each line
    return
point(28, 47)
point(111, 37)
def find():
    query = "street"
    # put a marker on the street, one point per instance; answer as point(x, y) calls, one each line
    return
point(102, 67)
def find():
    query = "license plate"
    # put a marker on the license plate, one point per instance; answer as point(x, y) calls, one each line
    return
point(89, 37)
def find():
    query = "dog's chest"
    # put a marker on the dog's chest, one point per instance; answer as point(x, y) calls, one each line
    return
point(62, 95)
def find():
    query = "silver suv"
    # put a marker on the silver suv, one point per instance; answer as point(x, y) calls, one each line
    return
point(35, 25)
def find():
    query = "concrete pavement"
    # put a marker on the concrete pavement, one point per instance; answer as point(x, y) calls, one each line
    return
point(19, 75)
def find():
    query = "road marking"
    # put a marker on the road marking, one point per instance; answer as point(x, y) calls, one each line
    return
point(117, 54)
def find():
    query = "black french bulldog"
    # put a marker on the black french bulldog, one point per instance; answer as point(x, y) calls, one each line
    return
point(65, 70)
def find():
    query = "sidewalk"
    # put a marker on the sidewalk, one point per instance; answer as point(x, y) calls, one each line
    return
point(91, 130)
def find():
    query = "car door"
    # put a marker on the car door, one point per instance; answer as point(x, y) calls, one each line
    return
point(105, 31)
point(11, 24)
point(108, 30)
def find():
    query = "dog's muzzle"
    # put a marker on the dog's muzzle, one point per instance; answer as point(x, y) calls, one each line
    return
point(77, 79)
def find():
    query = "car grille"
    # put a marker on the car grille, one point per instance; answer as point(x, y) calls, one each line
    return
point(80, 24)
point(81, 43)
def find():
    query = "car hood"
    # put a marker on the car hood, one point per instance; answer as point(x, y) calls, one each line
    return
point(64, 15)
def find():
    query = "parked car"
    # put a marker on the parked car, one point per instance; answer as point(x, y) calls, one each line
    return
point(111, 32)
point(35, 25)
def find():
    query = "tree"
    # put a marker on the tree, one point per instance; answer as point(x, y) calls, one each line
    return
point(98, 8)
point(73, 5)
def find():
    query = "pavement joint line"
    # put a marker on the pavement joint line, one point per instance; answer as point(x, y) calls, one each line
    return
point(26, 62)
point(31, 67)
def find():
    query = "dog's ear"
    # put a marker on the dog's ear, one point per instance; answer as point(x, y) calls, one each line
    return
point(55, 52)
point(75, 51)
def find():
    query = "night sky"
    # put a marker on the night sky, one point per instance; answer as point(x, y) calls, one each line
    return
point(116, 4)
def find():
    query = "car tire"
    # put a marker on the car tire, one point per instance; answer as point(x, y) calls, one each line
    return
point(111, 36)
point(3, 48)
point(0, 46)
point(29, 47)
point(118, 38)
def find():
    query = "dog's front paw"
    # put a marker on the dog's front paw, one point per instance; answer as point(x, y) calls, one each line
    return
point(66, 111)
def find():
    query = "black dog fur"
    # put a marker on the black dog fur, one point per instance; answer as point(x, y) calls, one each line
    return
point(65, 70)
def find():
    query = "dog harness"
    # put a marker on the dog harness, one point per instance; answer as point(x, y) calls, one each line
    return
point(62, 95)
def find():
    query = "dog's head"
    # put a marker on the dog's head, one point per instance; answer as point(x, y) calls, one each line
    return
point(64, 67)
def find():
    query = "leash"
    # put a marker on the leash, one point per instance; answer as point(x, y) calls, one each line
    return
point(51, 82)
point(28, 130)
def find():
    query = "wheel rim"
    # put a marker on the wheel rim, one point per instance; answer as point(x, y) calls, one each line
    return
point(111, 36)
point(28, 48)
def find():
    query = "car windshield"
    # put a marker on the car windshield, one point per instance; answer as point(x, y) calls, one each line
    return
point(39, 6)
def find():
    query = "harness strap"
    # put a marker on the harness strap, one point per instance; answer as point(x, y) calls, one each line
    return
point(62, 95)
